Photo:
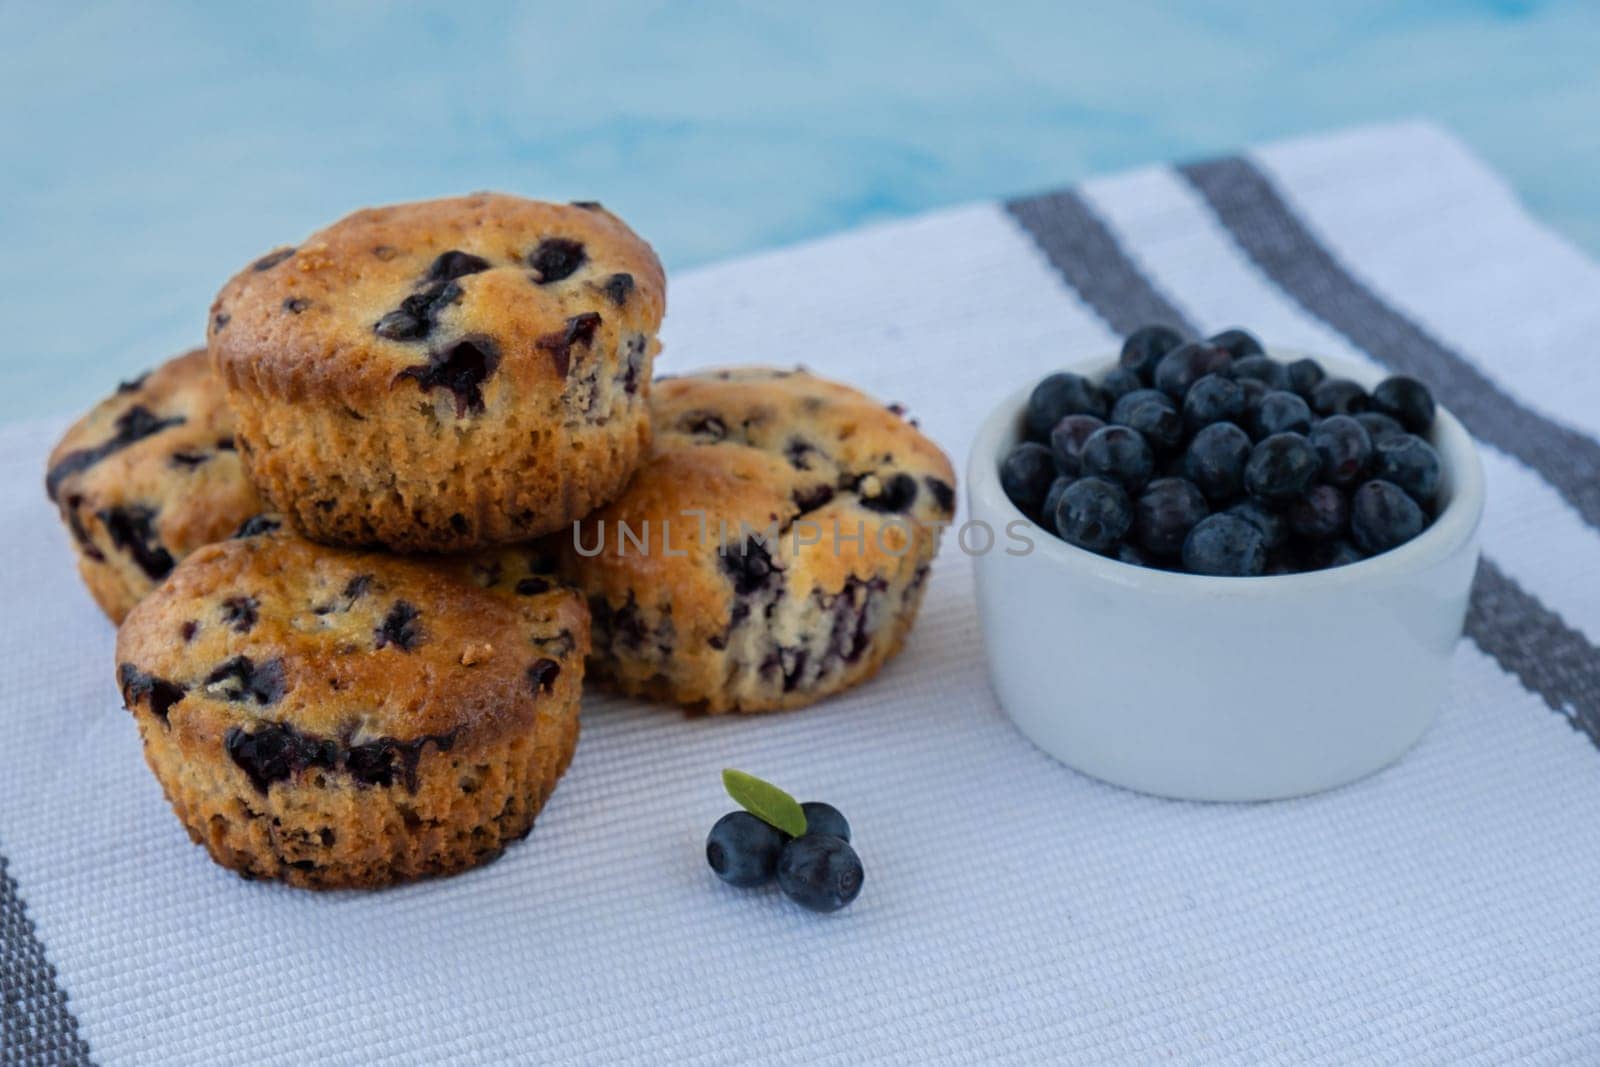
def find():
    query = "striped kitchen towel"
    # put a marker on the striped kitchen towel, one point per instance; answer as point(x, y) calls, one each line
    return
point(1441, 911)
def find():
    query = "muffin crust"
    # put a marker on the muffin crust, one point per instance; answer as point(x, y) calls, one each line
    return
point(443, 375)
point(339, 718)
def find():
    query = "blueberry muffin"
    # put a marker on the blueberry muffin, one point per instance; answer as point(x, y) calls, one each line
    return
point(330, 717)
point(443, 375)
point(148, 476)
point(771, 552)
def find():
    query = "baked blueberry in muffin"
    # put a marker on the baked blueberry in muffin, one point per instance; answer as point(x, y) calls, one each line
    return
point(331, 717)
point(772, 551)
point(444, 375)
point(148, 476)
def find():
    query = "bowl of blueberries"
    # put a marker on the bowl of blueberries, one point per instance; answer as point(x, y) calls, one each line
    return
point(1228, 573)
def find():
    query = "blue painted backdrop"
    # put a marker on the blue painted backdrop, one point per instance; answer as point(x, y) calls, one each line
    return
point(151, 150)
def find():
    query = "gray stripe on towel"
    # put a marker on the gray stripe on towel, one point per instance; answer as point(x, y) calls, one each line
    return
point(1548, 656)
point(36, 1026)
point(1085, 253)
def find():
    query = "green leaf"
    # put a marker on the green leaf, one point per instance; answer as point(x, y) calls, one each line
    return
point(765, 801)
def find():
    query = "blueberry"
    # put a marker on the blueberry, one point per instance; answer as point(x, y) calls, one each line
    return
point(825, 819)
point(1187, 364)
point(386, 760)
point(1280, 467)
point(1406, 400)
point(1144, 348)
point(633, 363)
point(1378, 426)
point(1274, 530)
point(1052, 499)
point(1409, 462)
point(556, 258)
point(419, 313)
point(810, 498)
point(1281, 563)
point(1339, 396)
point(241, 613)
point(1061, 395)
point(1066, 440)
point(542, 673)
point(1026, 475)
point(256, 525)
point(399, 628)
point(275, 752)
point(1172, 465)
point(1128, 401)
point(136, 685)
point(1337, 552)
point(1119, 454)
point(703, 424)
point(132, 529)
point(356, 588)
point(1093, 514)
point(820, 871)
point(1343, 449)
point(272, 259)
point(1255, 391)
point(1342, 553)
point(617, 287)
point(1212, 399)
point(579, 331)
point(1383, 516)
point(402, 324)
point(744, 850)
point(243, 680)
point(1320, 513)
point(1259, 368)
point(1304, 376)
point(1239, 343)
point(461, 368)
point(1216, 458)
point(1119, 383)
point(1152, 413)
point(895, 495)
point(1165, 513)
point(1128, 553)
point(455, 264)
point(1280, 411)
point(1224, 545)
point(1213, 457)
point(133, 425)
point(748, 565)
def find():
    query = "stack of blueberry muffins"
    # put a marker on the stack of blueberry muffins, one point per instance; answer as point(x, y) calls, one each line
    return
point(364, 545)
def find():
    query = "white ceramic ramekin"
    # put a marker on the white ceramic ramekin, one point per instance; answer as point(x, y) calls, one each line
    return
point(1223, 688)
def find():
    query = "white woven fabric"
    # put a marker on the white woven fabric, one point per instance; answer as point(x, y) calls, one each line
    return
point(1014, 911)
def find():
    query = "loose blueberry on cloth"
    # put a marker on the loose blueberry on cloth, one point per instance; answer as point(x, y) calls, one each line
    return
point(806, 847)
point(1213, 458)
